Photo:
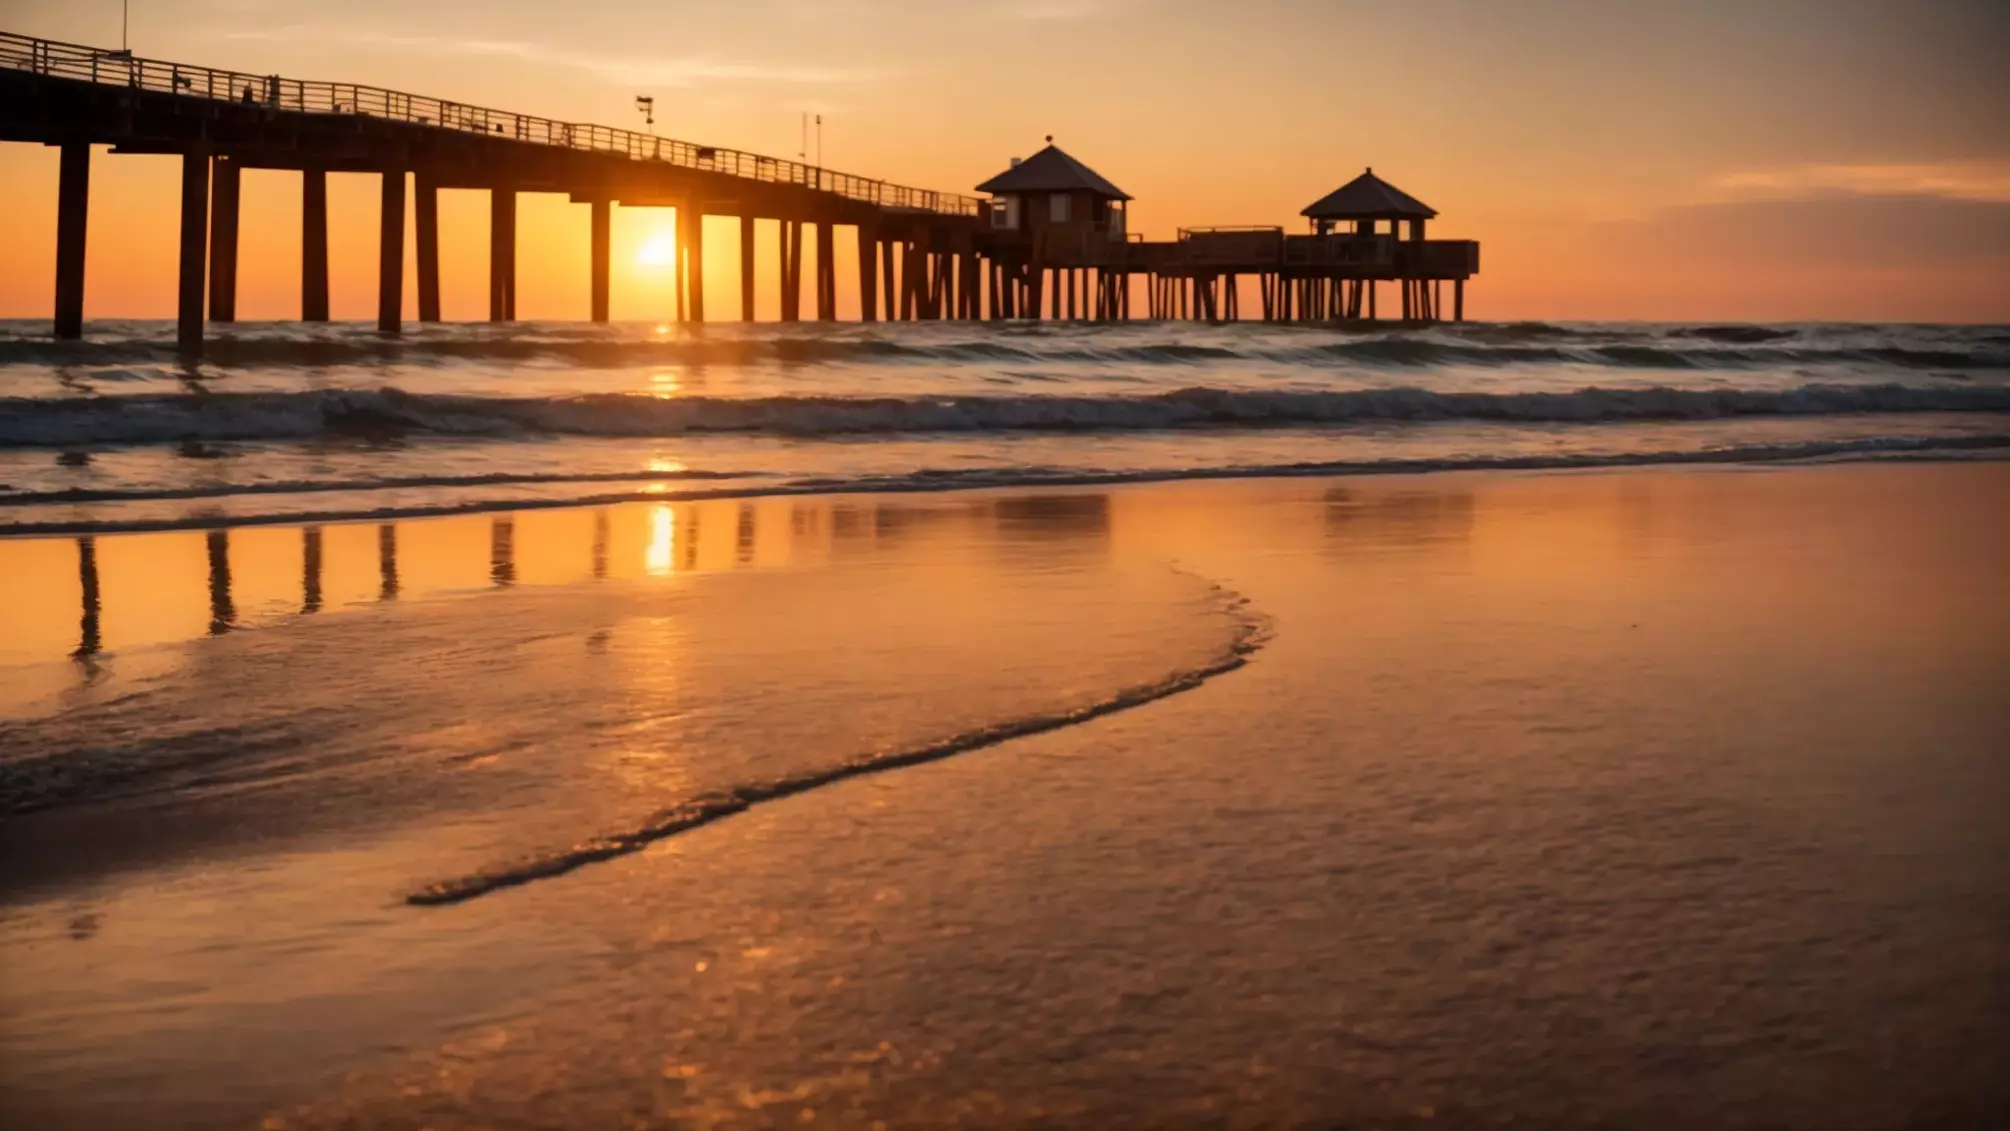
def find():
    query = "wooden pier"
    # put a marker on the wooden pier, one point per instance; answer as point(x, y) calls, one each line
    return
point(1049, 242)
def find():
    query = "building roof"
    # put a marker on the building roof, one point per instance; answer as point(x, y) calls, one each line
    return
point(1051, 170)
point(1369, 197)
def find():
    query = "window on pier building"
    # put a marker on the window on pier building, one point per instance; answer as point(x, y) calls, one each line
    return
point(1058, 208)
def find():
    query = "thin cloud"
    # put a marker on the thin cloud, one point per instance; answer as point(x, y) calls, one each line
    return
point(1059, 11)
point(1987, 181)
point(646, 72)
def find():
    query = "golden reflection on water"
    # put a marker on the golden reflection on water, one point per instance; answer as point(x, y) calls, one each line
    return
point(659, 559)
point(85, 597)
point(67, 603)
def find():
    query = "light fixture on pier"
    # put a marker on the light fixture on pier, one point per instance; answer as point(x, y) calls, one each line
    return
point(125, 50)
point(646, 106)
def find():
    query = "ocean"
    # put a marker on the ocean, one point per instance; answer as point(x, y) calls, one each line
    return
point(285, 422)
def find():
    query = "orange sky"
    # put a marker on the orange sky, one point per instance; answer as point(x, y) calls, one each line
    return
point(1791, 159)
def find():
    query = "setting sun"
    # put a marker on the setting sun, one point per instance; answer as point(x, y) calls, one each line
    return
point(659, 250)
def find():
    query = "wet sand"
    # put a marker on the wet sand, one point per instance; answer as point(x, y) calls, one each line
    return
point(1656, 799)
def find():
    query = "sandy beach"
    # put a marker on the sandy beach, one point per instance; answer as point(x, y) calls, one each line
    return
point(1663, 798)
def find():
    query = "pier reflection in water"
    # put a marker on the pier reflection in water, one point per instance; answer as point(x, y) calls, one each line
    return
point(310, 570)
point(135, 590)
point(222, 612)
point(88, 637)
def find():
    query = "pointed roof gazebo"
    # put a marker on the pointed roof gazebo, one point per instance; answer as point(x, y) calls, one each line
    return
point(1051, 170)
point(1368, 198)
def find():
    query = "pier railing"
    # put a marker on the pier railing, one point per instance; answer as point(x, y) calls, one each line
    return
point(118, 68)
point(1203, 246)
point(1341, 250)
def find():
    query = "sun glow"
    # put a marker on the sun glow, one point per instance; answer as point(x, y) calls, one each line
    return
point(659, 250)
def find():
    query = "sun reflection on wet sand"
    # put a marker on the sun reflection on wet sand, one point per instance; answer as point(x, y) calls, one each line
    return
point(660, 557)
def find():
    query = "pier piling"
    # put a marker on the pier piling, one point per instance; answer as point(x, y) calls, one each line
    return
point(426, 230)
point(73, 206)
point(826, 272)
point(314, 245)
point(868, 274)
point(391, 254)
point(602, 224)
point(746, 268)
point(502, 253)
point(225, 179)
point(194, 252)
point(792, 266)
point(691, 218)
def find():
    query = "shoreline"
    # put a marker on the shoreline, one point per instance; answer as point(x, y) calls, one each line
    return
point(1950, 449)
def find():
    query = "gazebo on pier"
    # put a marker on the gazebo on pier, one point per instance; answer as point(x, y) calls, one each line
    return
point(1366, 201)
point(1420, 265)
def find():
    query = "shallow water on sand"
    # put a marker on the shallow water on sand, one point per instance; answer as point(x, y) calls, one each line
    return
point(1650, 799)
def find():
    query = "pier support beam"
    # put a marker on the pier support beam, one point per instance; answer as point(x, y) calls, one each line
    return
point(194, 251)
point(73, 207)
point(888, 284)
point(225, 179)
point(314, 245)
point(426, 230)
point(502, 253)
point(913, 280)
point(603, 256)
point(792, 268)
point(746, 268)
point(826, 273)
point(391, 254)
point(1458, 300)
point(868, 275)
point(691, 222)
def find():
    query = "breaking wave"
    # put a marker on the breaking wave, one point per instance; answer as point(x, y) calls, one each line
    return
point(26, 422)
point(1490, 345)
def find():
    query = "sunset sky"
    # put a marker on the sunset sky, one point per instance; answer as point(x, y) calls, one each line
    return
point(1827, 159)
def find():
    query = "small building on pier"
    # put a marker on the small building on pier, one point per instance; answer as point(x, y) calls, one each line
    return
point(1061, 208)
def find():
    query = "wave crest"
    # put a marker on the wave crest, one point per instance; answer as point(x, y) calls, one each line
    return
point(1475, 344)
point(390, 412)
